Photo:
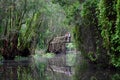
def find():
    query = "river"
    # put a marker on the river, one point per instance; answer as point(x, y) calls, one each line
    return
point(57, 68)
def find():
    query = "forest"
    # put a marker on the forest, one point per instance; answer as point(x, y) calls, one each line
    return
point(86, 33)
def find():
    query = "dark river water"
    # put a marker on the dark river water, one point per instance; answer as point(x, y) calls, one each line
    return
point(28, 69)
point(23, 69)
point(95, 73)
point(87, 71)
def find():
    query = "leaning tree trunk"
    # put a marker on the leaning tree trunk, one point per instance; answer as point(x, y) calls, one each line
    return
point(19, 14)
point(10, 48)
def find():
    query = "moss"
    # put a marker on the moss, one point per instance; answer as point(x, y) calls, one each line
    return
point(92, 56)
point(76, 34)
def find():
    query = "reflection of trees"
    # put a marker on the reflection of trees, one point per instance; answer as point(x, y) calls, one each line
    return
point(20, 70)
point(8, 70)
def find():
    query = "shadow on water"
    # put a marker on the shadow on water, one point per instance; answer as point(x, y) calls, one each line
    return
point(87, 71)
point(21, 70)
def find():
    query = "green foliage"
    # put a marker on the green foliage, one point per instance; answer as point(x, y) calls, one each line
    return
point(1, 58)
point(70, 46)
point(109, 23)
point(105, 16)
point(105, 22)
point(71, 11)
point(42, 54)
point(88, 15)
point(53, 25)
point(30, 29)
point(48, 55)
point(92, 56)
point(93, 78)
point(77, 37)
point(20, 18)
point(116, 76)
point(33, 21)
point(115, 60)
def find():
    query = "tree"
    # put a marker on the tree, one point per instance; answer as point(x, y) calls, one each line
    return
point(28, 23)
point(110, 30)
point(53, 24)
point(20, 24)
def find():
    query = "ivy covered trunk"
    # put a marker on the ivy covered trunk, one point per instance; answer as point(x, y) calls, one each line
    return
point(19, 27)
point(109, 20)
point(88, 35)
point(9, 48)
point(98, 32)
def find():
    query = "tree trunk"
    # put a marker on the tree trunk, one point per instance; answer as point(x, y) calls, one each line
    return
point(10, 49)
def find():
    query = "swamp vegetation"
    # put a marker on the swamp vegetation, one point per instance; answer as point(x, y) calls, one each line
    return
point(32, 33)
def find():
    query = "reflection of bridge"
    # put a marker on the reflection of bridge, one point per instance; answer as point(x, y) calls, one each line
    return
point(59, 64)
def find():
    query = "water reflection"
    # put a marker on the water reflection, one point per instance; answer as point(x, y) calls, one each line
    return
point(87, 71)
point(20, 70)
point(31, 69)
point(37, 69)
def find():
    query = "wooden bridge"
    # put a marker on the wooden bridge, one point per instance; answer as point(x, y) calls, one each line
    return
point(58, 44)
